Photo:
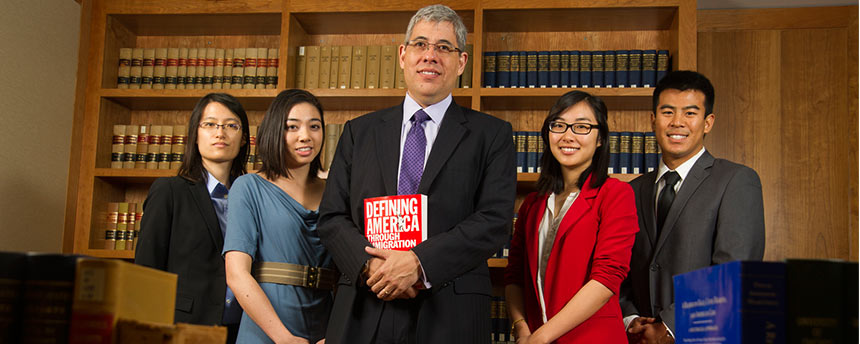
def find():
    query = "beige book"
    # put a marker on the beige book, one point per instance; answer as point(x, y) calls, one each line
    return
point(177, 147)
point(136, 68)
point(359, 66)
point(112, 289)
point(154, 147)
point(387, 64)
point(171, 69)
point(142, 147)
point(238, 68)
point(159, 70)
point(147, 70)
point(272, 69)
point(108, 240)
point(200, 74)
point(466, 78)
point(250, 72)
point(301, 65)
point(209, 69)
point(252, 148)
point(117, 149)
point(182, 68)
point(344, 67)
point(334, 70)
point(312, 71)
point(137, 218)
point(398, 77)
point(123, 73)
point(165, 150)
point(228, 69)
point(121, 225)
point(130, 146)
point(371, 75)
point(130, 220)
point(218, 70)
point(191, 70)
point(262, 68)
point(332, 134)
point(139, 332)
point(325, 66)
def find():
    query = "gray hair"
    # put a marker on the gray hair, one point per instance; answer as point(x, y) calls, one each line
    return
point(437, 14)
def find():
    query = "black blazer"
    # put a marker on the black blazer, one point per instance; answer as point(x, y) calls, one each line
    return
point(470, 181)
point(180, 233)
point(716, 217)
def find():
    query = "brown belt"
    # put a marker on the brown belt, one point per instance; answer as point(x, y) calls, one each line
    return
point(294, 274)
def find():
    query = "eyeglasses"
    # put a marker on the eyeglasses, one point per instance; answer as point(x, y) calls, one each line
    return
point(231, 127)
point(560, 127)
point(441, 47)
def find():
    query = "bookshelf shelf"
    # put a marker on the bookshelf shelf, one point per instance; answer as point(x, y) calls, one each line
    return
point(129, 175)
point(497, 262)
point(117, 254)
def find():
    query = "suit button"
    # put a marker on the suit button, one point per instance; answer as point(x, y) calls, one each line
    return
point(655, 267)
point(445, 284)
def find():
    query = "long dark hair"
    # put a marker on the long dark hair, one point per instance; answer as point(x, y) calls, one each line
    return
point(270, 135)
point(192, 165)
point(551, 179)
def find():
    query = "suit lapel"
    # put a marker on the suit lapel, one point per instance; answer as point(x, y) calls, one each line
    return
point(451, 131)
point(204, 204)
point(388, 147)
point(700, 171)
point(580, 207)
point(647, 194)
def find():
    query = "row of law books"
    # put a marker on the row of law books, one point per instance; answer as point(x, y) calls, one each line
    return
point(633, 152)
point(500, 324)
point(356, 67)
point(529, 148)
point(197, 68)
point(123, 227)
point(150, 146)
point(574, 68)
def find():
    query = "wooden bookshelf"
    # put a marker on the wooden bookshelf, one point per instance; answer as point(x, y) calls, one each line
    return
point(492, 25)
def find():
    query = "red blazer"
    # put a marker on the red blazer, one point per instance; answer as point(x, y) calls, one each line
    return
point(594, 241)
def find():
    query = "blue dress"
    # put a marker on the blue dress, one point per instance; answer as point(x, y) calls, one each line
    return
point(269, 225)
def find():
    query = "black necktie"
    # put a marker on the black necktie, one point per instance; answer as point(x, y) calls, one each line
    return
point(667, 195)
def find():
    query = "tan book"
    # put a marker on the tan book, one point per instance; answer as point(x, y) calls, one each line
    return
point(387, 64)
point(325, 66)
point(142, 147)
point(121, 225)
point(238, 68)
point(371, 75)
point(137, 216)
point(171, 69)
point(334, 70)
point(177, 147)
point(312, 71)
point(200, 75)
point(272, 69)
point(123, 73)
point(252, 148)
point(139, 332)
point(146, 73)
point(344, 67)
point(117, 149)
point(301, 65)
point(135, 71)
point(209, 69)
point(359, 66)
point(108, 241)
point(164, 152)
point(228, 69)
point(250, 72)
point(399, 80)
point(182, 68)
point(262, 68)
point(154, 147)
point(466, 78)
point(107, 290)
point(332, 133)
point(130, 220)
point(191, 69)
point(159, 70)
point(130, 149)
point(218, 70)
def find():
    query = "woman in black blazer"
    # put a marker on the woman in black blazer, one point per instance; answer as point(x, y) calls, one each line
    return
point(182, 229)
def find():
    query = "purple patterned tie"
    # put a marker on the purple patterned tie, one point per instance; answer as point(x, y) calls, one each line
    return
point(412, 163)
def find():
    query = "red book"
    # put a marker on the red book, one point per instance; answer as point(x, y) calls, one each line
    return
point(396, 222)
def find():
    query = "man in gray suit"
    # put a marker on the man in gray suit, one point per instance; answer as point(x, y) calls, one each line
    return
point(694, 210)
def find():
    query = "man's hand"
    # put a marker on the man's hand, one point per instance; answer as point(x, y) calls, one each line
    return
point(645, 330)
point(395, 276)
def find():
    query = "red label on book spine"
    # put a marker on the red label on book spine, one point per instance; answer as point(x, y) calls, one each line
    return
point(250, 62)
point(396, 222)
point(273, 62)
point(91, 328)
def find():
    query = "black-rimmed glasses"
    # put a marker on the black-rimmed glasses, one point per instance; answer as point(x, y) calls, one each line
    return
point(560, 127)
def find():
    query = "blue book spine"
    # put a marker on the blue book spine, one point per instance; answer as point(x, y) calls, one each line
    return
point(539, 144)
point(532, 71)
point(735, 302)
point(637, 152)
point(635, 66)
point(489, 69)
point(574, 68)
point(662, 64)
point(649, 68)
point(624, 146)
point(503, 69)
point(597, 69)
point(522, 148)
point(651, 156)
point(622, 57)
point(523, 69)
point(585, 69)
point(564, 68)
point(609, 68)
point(531, 155)
point(515, 70)
point(543, 69)
point(555, 69)
point(613, 151)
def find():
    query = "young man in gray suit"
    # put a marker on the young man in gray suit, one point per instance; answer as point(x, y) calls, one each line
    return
point(694, 210)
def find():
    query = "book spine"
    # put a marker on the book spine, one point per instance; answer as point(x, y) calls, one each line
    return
point(312, 66)
point(118, 146)
point(503, 69)
point(191, 68)
point(177, 148)
point(262, 68)
point(614, 150)
point(585, 69)
point(137, 217)
point(331, 137)
point(130, 146)
point(153, 147)
point(131, 225)
point(147, 70)
point(121, 226)
point(159, 70)
point(325, 66)
point(532, 69)
point(371, 77)
point(109, 239)
point(237, 77)
point(399, 79)
point(651, 156)
point(649, 68)
point(575, 57)
point(136, 69)
point(597, 69)
point(252, 148)
point(637, 152)
point(181, 68)
point(249, 73)
point(662, 65)
point(555, 69)
point(200, 74)
point(48, 296)
point(622, 57)
point(489, 69)
point(522, 55)
point(522, 150)
point(170, 69)
point(624, 147)
point(164, 152)
point(123, 73)
point(208, 80)
point(543, 69)
point(272, 70)
point(564, 68)
point(227, 78)
point(609, 68)
point(345, 67)
point(635, 68)
point(334, 72)
point(814, 306)
point(359, 66)
point(514, 70)
point(466, 78)
point(387, 65)
point(142, 147)
point(531, 157)
point(218, 70)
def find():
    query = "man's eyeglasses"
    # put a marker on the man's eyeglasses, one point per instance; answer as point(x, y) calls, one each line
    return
point(442, 47)
point(560, 127)
point(231, 127)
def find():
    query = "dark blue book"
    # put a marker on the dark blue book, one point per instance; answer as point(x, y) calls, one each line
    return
point(817, 295)
point(532, 71)
point(585, 69)
point(635, 66)
point(13, 269)
point(637, 152)
point(48, 296)
point(613, 151)
point(489, 69)
point(624, 148)
point(597, 69)
point(649, 68)
point(555, 69)
point(574, 68)
point(522, 149)
point(503, 69)
point(564, 67)
point(515, 70)
point(533, 138)
point(652, 158)
point(622, 57)
point(737, 302)
point(609, 68)
point(662, 64)
point(539, 151)
point(543, 69)
point(523, 69)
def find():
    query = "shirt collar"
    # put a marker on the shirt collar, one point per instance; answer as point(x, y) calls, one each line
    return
point(682, 170)
point(435, 111)
point(211, 184)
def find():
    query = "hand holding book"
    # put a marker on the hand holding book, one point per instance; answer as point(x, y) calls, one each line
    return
point(396, 276)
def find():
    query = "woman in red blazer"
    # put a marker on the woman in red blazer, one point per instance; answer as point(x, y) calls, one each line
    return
point(583, 224)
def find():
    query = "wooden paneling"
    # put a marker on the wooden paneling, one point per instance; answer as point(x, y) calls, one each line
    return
point(781, 108)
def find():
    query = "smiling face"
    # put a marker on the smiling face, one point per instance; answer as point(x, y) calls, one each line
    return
point(430, 74)
point(303, 135)
point(574, 152)
point(680, 125)
point(221, 144)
